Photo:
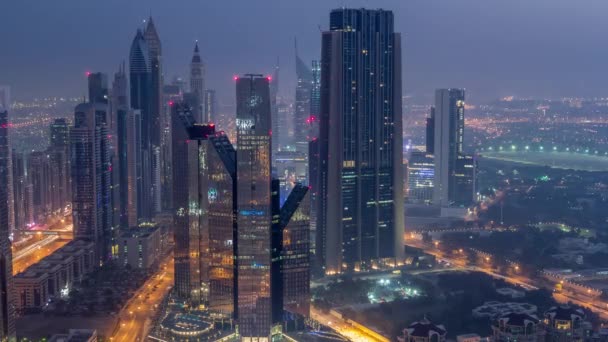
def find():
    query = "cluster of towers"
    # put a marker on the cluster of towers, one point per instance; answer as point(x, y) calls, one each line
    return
point(141, 148)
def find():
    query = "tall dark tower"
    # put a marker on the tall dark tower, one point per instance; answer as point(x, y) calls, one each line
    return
point(360, 205)
point(254, 205)
point(156, 106)
point(98, 87)
point(140, 76)
point(7, 314)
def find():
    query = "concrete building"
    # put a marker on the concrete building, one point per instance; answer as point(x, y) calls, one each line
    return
point(139, 247)
point(420, 177)
point(54, 275)
point(565, 324)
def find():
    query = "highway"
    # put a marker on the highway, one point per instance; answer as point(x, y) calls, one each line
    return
point(342, 327)
point(136, 315)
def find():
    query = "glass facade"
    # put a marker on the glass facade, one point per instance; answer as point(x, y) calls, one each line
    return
point(420, 177)
point(361, 97)
point(254, 206)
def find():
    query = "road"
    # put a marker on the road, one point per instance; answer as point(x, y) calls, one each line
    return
point(593, 304)
point(342, 327)
point(136, 315)
point(36, 247)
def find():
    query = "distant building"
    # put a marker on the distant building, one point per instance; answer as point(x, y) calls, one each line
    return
point(302, 104)
point(5, 98)
point(517, 327)
point(141, 98)
point(430, 132)
point(361, 154)
point(423, 331)
point(98, 87)
point(139, 247)
point(454, 171)
point(39, 172)
point(22, 194)
point(420, 177)
point(7, 315)
point(211, 106)
point(197, 85)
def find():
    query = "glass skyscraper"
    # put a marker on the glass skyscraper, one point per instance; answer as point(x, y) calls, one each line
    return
point(254, 206)
point(360, 216)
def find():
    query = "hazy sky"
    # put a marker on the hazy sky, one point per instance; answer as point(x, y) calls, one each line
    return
point(491, 47)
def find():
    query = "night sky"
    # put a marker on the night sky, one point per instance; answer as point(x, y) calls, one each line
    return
point(547, 48)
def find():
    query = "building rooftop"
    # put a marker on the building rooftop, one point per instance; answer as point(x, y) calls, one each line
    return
point(518, 319)
point(425, 328)
point(564, 313)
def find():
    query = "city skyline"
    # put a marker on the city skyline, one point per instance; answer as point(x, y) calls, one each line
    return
point(550, 39)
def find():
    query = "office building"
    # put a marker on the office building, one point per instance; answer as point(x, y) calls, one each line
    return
point(91, 168)
point(140, 82)
point(304, 88)
point(120, 110)
point(420, 177)
point(361, 157)
point(7, 315)
point(315, 101)
point(254, 205)
point(197, 85)
point(139, 247)
point(284, 127)
point(295, 248)
point(454, 171)
point(274, 98)
point(156, 118)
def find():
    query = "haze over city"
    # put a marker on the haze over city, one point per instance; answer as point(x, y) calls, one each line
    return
point(303, 171)
point(527, 48)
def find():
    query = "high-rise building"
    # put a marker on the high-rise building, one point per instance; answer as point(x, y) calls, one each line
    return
point(7, 313)
point(315, 100)
point(295, 251)
point(430, 132)
point(59, 155)
point(285, 122)
point(254, 205)
point(140, 82)
point(156, 118)
point(211, 106)
point(420, 177)
point(274, 97)
point(20, 186)
point(197, 85)
point(302, 104)
point(98, 87)
point(120, 110)
point(91, 168)
point(361, 157)
point(454, 171)
point(132, 172)
point(39, 172)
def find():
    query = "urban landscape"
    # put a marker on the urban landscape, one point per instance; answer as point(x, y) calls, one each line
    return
point(257, 171)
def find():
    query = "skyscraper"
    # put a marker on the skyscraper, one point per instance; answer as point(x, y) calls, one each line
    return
point(274, 94)
point(140, 77)
point(98, 87)
point(197, 84)
point(39, 172)
point(254, 206)
point(430, 132)
point(454, 184)
point(361, 171)
point(120, 110)
point(315, 100)
point(156, 123)
point(7, 314)
point(59, 154)
point(295, 255)
point(91, 198)
point(302, 104)
point(20, 185)
point(5, 98)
